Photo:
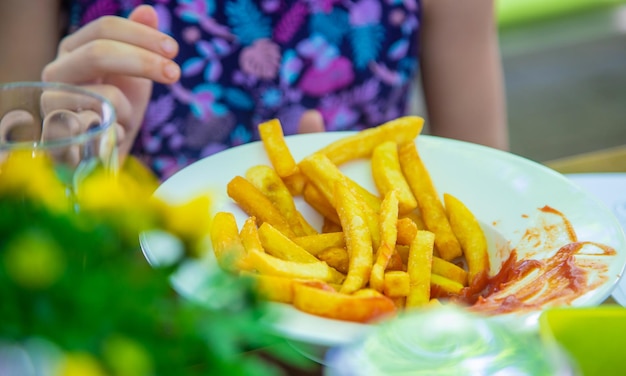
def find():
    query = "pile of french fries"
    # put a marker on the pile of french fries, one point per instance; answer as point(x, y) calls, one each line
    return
point(401, 247)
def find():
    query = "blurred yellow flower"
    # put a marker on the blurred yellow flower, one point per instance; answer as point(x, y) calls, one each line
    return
point(126, 197)
point(190, 220)
point(33, 260)
point(31, 173)
point(127, 357)
point(79, 364)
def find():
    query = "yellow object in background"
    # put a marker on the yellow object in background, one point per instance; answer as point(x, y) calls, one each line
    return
point(514, 12)
point(594, 337)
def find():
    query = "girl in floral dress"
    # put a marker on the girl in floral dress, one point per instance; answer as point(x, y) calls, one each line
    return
point(190, 78)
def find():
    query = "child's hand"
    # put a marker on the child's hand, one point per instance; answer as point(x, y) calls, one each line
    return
point(118, 58)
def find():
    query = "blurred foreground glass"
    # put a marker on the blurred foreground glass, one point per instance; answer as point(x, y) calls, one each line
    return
point(448, 341)
point(71, 126)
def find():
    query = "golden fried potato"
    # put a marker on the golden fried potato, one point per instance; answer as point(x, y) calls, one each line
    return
point(278, 245)
point(396, 284)
point(295, 183)
point(439, 266)
point(267, 181)
point(273, 139)
point(273, 288)
point(416, 217)
point(471, 236)
point(336, 257)
point(361, 144)
point(270, 265)
point(388, 176)
point(227, 245)
point(406, 230)
point(443, 287)
point(364, 306)
point(430, 205)
point(256, 204)
point(320, 203)
point(419, 268)
point(449, 270)
point(315, 244)
point(388, 235)
point(323, 173)
point(358, 238)
point(249, 235)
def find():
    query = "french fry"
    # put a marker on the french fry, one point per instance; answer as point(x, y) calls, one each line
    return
point(375, 253)
point(396, 284)
point(358, 238)
point(320, 203)
point(443, 287)
point(449, 270)
point(272, 288)
point(430, 205)
point(377, 276)
point(419, 268)
point(361, 144)
point(266, 180)
point(471, 236)
point(388, 176)
point(269, 265)
point(226, 242)
point(273, 139)
point(416, 217)
point(323, 173)
point(256, 204)
point(439, 266)
point(369, 214)
point(434, 303)
point(322, 300)
point(315, 244)
point(278, 245)
point(295, 183)
point(388, 235)
point(249, 235)
point(406, 230)
point(336, 257)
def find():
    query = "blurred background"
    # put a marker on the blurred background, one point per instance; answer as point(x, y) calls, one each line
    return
point(565, 74)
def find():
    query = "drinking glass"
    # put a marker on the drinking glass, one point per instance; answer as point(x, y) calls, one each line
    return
point(73, 127)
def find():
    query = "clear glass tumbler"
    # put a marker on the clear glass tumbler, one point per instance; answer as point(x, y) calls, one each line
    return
point(73, 127)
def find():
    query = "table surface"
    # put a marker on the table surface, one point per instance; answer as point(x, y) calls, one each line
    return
point(606, 160)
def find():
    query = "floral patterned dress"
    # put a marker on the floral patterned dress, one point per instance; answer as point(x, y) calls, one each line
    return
point(247, 61)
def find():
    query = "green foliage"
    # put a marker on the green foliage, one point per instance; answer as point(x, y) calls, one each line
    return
point(78, 280)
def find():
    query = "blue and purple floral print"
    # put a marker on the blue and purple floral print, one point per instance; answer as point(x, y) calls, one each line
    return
point(247, 61)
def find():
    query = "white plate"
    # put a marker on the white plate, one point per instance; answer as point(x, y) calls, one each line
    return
point(498, 187)
point(610, 188)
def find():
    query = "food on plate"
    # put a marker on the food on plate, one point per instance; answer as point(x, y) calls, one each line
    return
point(431, 207)
point(229, 250)
point(388, 176)
point(388, 235)
point(267, 180)
point(419, 267)
point(362, 144)
point(370, 253)
point(323, 300)
point(470, 236)
point(258, 205)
